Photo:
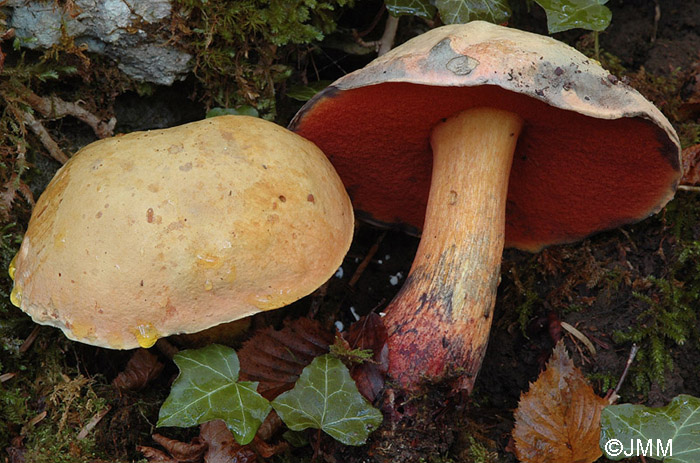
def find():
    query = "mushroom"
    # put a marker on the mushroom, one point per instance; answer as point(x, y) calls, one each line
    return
point(531, 144)
point(170, 231)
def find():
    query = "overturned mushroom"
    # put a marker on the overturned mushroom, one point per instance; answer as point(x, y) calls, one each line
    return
point(173, 231)
point(530, 144)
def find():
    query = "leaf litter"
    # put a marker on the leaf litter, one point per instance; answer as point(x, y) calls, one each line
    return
point(558, 419)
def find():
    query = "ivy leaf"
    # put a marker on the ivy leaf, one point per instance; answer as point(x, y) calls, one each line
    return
point(326, 398)
point(243, 110)
point(563, 15)
point(306, 92)
point(207, 389)
point(463, 11)
point(420, 8)
point(677, 422)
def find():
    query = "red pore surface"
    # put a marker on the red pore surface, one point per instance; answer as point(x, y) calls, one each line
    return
point(572, 175)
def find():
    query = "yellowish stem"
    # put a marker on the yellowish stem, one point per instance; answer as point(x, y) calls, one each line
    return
point(439, 322)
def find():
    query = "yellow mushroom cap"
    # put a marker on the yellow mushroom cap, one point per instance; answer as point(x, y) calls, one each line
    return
point(174, 231)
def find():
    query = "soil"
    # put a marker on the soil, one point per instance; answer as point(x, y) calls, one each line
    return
point(592, 285)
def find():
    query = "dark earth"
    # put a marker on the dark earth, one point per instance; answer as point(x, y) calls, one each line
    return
point(641, 280)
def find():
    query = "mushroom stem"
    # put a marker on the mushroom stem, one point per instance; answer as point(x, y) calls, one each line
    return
point(439, 322)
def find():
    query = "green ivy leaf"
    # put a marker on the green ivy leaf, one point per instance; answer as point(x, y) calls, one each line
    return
point(243, 110)
point(306, 92)
point(679, 422)
point(463, 11)
point(563, 15)
point(207, 389)
point(421, 8)
point(325, 397)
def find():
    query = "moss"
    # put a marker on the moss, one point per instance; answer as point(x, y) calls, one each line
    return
point(602, 381)
point(478, 453)
point(668, 319)
point(241, 47)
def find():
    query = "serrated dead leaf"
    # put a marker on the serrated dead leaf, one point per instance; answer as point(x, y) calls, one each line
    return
point(221, 446)
point(690, 158)
point(558, 419)
point(369, 332)
point(182, 452)
point(141, 369)
point(275, 358)
point(177, 451)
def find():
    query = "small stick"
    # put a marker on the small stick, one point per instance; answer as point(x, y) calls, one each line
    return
point(373, 24)
point(45, 138)
point(612, 396)
point(30, 340)
point(580, 336)
point(368, 258)
point(97, 417)
point(55, 107)
point(689, 188)
point(166, 348)
point(657, 18)
point(387, 40)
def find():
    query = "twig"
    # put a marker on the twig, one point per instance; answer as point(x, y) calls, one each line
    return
point(55, 107)
point(97, 417)
point(612, 396)
point(373, 24)
point(30, 340)
point(387, 40)
point(317, 299)
point(45, 138)
point(373, 44)
point(657, 18)
point(689, 188)
point(368, 258)
point(6, 377)
point(580, 336)
point(166, 348)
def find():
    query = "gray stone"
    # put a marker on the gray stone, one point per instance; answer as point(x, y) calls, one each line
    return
point(110, 27)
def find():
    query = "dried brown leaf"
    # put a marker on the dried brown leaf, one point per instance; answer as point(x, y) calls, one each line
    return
point(141, 369)
point(369, 333)
point(690, 93)
point(155, 455)
point(690, 158)
point(276, 358)
point(222, 447)
point(558, 419)
point(182, 452)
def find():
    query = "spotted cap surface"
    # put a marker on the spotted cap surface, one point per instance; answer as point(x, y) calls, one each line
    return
point(173, 231)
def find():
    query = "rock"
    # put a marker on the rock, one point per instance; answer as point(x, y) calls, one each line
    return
point(110, 27)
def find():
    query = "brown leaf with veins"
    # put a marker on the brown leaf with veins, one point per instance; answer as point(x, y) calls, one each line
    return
point(221, 446)
point(142, 368)
point(558, 419)
point(369, 332)
point(275, 358)
point(177, 452)
point(690, 158)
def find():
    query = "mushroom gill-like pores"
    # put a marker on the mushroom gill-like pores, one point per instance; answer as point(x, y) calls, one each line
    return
point(173, 231)
point(530, 144)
